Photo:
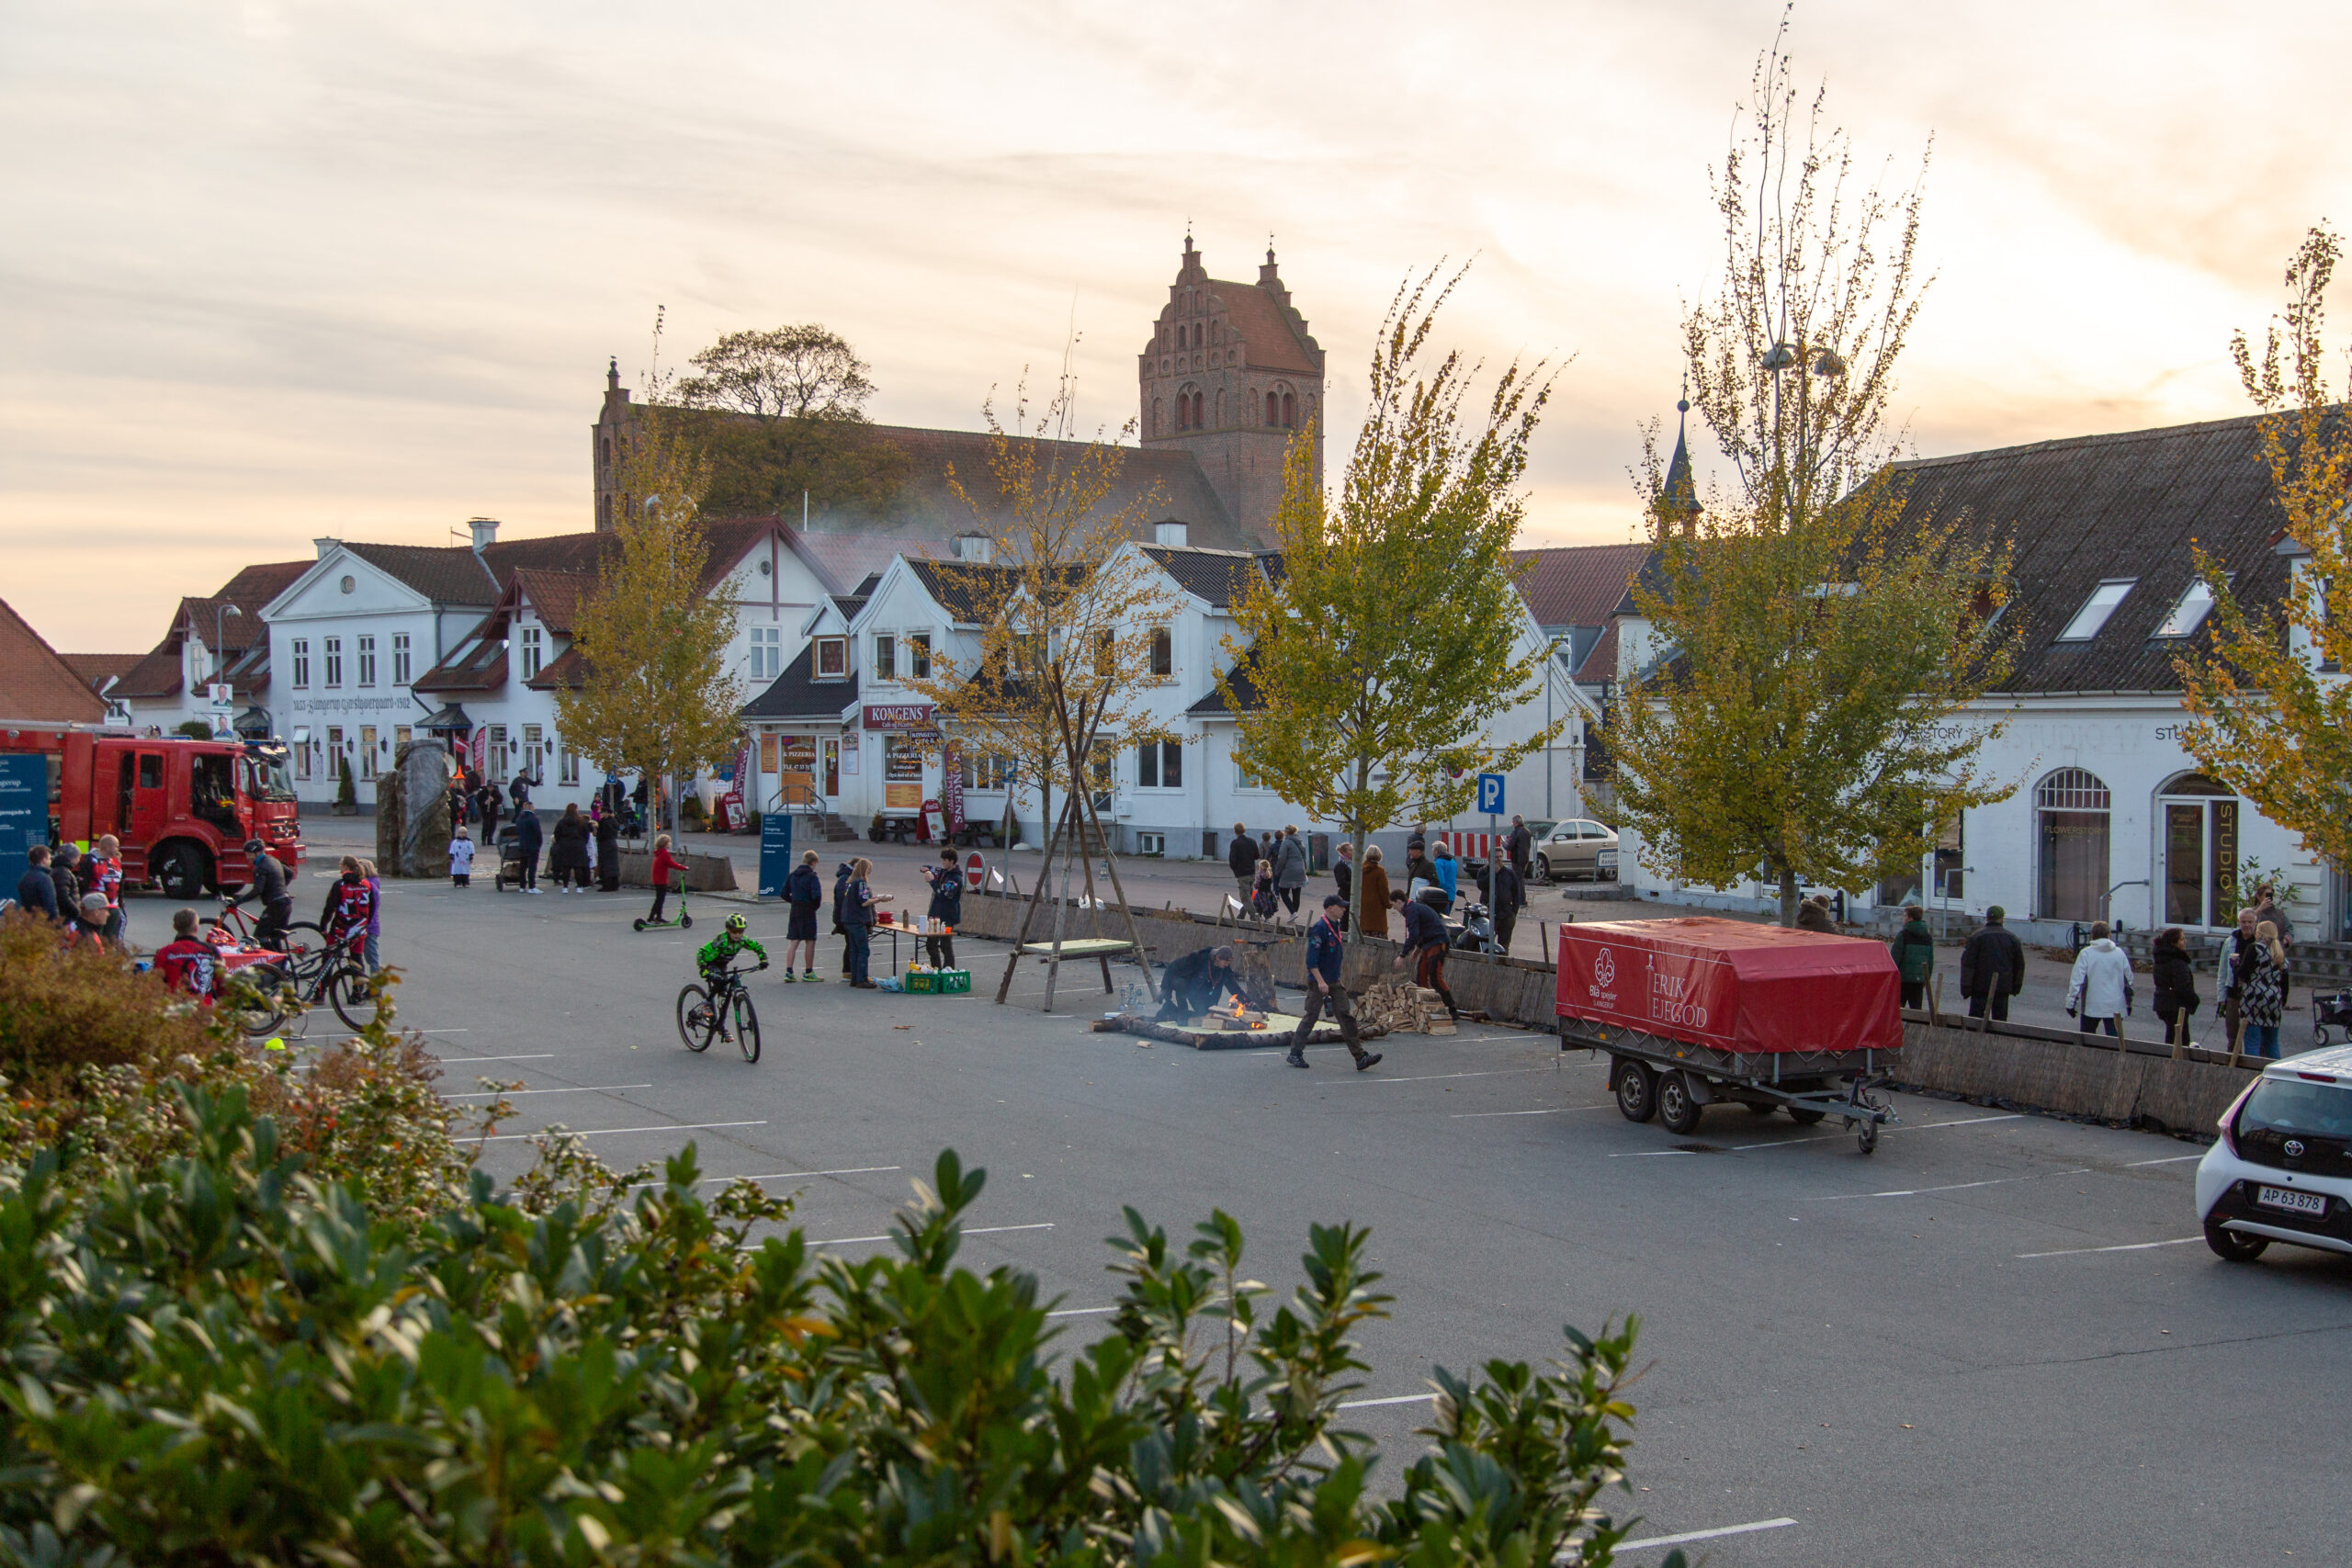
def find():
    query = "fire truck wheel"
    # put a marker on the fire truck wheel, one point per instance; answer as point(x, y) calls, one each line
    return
point(1677, 1106)
point(1636, 1089)
point(183, 873)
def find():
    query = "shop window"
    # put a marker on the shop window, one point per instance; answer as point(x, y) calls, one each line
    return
point(901, 773)
point(2070, 810)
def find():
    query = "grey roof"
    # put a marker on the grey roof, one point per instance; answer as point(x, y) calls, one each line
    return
point(1243, 677)
point(794, 694)
point(446, 574)
point(1215, 576)
point(2097, 508)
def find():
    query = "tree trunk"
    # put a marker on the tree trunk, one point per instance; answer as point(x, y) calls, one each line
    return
point(1355, 880)
point(1787, 896)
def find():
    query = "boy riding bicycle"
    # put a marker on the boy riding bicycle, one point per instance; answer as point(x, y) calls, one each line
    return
point(712, 958)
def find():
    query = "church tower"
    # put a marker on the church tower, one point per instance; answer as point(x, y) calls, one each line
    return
point(1231, 375)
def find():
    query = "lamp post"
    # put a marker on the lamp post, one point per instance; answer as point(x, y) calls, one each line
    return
point(1828, 363)
point(220, 654)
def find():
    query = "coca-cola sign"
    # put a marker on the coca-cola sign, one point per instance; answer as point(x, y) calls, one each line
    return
point(900, 717)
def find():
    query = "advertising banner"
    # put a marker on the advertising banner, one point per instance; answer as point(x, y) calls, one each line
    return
point(904, 719)
point(951, 788)
point(776, 853)
point(24, 813)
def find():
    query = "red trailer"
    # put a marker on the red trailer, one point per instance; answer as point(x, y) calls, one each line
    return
point(1697, 1011)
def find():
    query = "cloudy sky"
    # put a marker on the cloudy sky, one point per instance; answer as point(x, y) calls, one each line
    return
point(274, 270)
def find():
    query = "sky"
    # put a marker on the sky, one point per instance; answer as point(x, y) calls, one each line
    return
point(271, 270)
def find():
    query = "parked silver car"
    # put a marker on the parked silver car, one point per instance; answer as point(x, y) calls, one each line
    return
point(1577, 847)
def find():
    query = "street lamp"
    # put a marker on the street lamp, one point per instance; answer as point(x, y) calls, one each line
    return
point(220, 654)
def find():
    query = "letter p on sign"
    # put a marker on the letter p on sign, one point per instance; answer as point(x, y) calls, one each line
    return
point(1490, 794)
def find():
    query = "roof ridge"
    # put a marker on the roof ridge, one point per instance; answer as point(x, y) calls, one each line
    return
point(2114, 437)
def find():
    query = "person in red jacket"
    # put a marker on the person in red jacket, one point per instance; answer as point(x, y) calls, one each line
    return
point(351, 904)
point(666, 868)
point(187, 964)
point(102, 873)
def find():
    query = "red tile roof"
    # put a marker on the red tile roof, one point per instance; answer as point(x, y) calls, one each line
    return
point(1576, 585)
point(35, 684)
point(1269, 341)
point(98, 669)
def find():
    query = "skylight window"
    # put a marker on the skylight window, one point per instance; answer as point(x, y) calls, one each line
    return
point(2097, 609)
point(2195, 604)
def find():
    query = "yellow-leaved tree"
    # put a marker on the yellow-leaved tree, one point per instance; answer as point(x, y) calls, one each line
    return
point(1800, 708)
point(1368, 673)
point(656, 695)
point(2270, 708)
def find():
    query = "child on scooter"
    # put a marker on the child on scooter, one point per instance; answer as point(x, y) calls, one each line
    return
point(666, 866)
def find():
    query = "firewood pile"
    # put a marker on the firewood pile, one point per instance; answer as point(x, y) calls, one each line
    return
point(1399, 1007)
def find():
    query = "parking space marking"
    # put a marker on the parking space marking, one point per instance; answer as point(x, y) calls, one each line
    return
point(1704, 1535)
point(456, 1061)
point(969, 1230)
point(786, 1175)
point(2127, 1246)
point(610, 1132)
point(1954, 1187)
point(1815, 1138)
point(496, 1093)
point(2173, 1159)
point(1433, 1077)
point(1082, 1312)
point(1392, 1399)
point(1548, 1111)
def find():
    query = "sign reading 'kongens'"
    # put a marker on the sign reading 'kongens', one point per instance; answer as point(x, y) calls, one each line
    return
point(901, 718)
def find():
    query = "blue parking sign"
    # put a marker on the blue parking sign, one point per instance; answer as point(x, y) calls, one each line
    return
point(1490, 794)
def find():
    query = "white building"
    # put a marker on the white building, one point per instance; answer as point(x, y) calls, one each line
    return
point(2111, 818)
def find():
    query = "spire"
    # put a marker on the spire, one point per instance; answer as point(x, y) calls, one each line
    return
point(1268, 277)
point(1678, 498)
point(613, 375)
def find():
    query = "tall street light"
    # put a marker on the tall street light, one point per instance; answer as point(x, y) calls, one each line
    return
point(220, 654)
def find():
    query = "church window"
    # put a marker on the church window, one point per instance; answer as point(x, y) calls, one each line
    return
point(1197, 409)
point(1157, 413)
point(1273, 409)
point(1220, 408)
point(1287, 416)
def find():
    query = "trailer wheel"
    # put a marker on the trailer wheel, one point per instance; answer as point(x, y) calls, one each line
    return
point(1677, 1106)
point(1866, 1137)
point(1807, 1118)
point(1636, 1089)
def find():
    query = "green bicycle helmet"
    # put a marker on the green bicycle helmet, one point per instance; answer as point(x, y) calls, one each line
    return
point(737, 925)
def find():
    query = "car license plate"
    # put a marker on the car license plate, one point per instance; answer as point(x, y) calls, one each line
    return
point(2294, 1202)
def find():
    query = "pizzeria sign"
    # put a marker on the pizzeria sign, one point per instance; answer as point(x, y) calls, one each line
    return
point(903, 718)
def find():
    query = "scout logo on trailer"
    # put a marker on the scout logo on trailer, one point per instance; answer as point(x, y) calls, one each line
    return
point(1604, 975)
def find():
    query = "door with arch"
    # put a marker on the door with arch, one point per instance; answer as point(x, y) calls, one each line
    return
point(2200, 818)
point(2070, 810)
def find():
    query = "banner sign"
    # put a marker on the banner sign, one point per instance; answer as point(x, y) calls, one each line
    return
point(776, 853)
point(23, 811)
point(905, 718)
point(737, 781)
point(951, 788)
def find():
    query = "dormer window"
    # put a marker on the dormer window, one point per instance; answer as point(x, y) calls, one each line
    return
point(2096, 610)
point(533, 651)
point(2196, 604)
point(832, 657)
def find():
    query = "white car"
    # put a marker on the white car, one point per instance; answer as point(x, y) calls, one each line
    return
point(2282, 1168)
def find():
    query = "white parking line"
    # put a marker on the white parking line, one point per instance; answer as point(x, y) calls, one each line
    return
point(2128, 1247)
point(1433, 1077)
point(609, 1131)
point(1954, 1187)
point(440, 1031)
point(969, 1230)
point(1816, 1138)
point(786, 1175)
point(2175, 1159)
point(1082, 1312)
point(455, 1061)
point(1548, 1111)
point(599, 1088)
point(1393, 1399)
point(1704, 1535)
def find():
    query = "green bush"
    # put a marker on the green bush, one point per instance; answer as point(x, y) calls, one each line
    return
point(225, 1361)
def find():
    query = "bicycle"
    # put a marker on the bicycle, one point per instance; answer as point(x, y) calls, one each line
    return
point(704, 1010)
point(238, 927)
point(329, 973)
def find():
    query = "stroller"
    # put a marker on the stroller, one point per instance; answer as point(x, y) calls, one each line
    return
point(2331, 1011)
point(510, 859)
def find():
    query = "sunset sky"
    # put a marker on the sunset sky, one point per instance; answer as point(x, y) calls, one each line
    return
point(279, 270)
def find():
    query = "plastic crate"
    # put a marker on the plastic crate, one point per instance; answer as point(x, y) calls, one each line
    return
point(954, 982)
point(921, 983)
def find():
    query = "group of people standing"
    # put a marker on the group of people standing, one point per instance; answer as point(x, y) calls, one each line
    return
point(1269, 874)
point(83, 893)
point(856, 907)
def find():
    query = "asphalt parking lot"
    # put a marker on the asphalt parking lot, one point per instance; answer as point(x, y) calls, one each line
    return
point(1998, 1340)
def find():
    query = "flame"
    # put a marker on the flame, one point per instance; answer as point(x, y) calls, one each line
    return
point(1239, 1011)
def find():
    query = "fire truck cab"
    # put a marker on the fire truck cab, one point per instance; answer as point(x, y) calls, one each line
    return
point(181, 808)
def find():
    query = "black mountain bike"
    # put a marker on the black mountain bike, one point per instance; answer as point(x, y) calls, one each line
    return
point(708, 1012)
point(329, 974)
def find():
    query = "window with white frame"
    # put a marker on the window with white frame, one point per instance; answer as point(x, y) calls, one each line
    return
point(885, 657)
point(400, 736)
point(2196, 603)
point(832, 659)
point(533, 651)
point(919, 655)
point(1159, 764)
point(399, 659)
point(497, 754)
point(2096, 609)
point(568, 768)
point(1163, 653)
point(767, 652)
point(301, 662)
point(367, 660)
point(985, 771)
point(331, 649)
point(1243, 779)
point(367, 753)
point(534, 747)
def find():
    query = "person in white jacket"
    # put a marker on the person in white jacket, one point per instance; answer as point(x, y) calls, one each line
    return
point(2099, 995)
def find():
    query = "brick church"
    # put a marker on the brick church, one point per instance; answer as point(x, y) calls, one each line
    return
point(1228, 376)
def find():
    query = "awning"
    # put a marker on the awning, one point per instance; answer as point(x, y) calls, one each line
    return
point(450, 717)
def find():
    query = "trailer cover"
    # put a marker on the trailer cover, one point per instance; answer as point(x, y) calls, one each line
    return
point(1732, 985)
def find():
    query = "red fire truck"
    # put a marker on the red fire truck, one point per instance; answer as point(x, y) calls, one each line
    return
point(183, 809)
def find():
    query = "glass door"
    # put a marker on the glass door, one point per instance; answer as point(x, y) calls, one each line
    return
point(2200, 852)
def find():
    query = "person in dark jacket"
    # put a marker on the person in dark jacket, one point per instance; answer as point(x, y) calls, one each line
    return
point(1197, 982)
point(805, 891)
point(1324, 946)
point(487, 804)
point(35, 890)
point(1242, 859)
point(65, 876)
point(841, 899)
point(1343, 872)
point(1915, 955)
point(1520, 847)
point(858, 901)
point(1992, 966)
point(608, 852)
point(1507, 897)
point(568, 856)
point(1424, 947)
point(527, 839)
point(1290, 867)
point(520, 790)
point(1419, 867)
point(946, 906)
point(268, 891)
point(2176, 976)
